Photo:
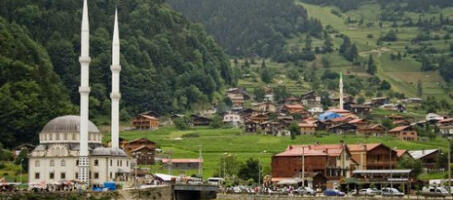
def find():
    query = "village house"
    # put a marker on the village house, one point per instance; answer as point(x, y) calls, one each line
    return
point(259, 117)
point(332, 161)
point(311, 99)
point(237, 97)
point(373, 156)
point(445, 126)
point(401, 122)
point(379, 101)
point(142, 149)
point(232, 118)
point(198, 120)
point(406, 133)
point(264, 107)
point(434, 118)
point(182, 163)
point(360, 109)
point(343, 128)
point(427, 157)
point(359, 123)
point(371, 130)
point(307, 128)
point(143, 121)
point(291, 100)
point(316, 110)
point(293, 108)
point(252, 126)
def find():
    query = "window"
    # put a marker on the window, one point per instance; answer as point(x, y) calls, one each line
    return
point(37, 163)
point(77, 163)
point(36, 175)
point(51, 175)
point(121, 163)
point(96, 175)
point(110, 175)
point(52, 163)
point(96, 162)
point(63, 163)
point(77, 175)
point(62, 175)
point(118, 163)
point(111, 162)
point(127, 163)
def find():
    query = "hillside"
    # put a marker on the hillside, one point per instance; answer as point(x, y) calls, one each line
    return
point(249, 28)
point(168, 63)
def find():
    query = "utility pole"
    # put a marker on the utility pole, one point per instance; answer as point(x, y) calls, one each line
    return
point(303, 166)
point(200, 165)
point(449, 163)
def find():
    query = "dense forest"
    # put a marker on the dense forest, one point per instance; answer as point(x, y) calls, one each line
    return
point(169, 64)
point(252, 27)
point(408, 5)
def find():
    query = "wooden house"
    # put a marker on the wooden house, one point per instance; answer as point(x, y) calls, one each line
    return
point(379, 101)
point(406, 133)
point(373, 156)
point(293, 108)
point(343, 128)
point(310, 99)
point(142, 149)
point(307, 128)
point(360, 109)
point(371, 130)
point(445, 126)
point(198, 120)
point(427, 157)
point(143, 121)
point(264, 107)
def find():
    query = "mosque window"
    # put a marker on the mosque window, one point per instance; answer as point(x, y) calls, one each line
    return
point(77, 175)
point(36, 175)
point(96, 162)
point(51, 175)
point(121, 163)
point(77, 163)
point(63, 175)
point(96, 175)
point(63, 163)
point(111, 162)
point(52, 163)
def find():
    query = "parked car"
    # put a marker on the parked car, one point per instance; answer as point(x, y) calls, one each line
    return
point(368, 192)
point(391, 192)
point(333, 192)
point(309, 191)
point(434, 192)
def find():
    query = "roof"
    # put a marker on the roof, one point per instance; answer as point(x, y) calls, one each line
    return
point(328, 115)
point(383, 171)
point(356, 121)
point(294, 106)
point(149, 117)
point(340, 111)
point(182, 160)
point(401, 152)
point(140, 148)
point(417, 154)
point(164, 177)
point(398, 129)
point(361, 147)
point(449, 120)
point(67, 124)
point(313, 150)
point(307, 125)
point(341, 119)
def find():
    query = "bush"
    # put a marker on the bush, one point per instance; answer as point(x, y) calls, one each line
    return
point(191, 135)
point(182, 123)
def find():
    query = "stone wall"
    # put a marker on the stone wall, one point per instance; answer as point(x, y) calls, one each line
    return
point(278, 197)
point(154, 193)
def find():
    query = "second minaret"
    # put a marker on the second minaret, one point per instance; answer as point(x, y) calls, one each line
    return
point(115, 95)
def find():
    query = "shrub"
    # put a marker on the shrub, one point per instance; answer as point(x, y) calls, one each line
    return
point(191, 135)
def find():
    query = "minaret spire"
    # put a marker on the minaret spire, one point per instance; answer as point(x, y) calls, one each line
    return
point(341, 91)
point(115, 95)
point(84, 91)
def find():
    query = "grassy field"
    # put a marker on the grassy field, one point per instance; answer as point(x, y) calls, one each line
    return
point(216, 142)
point(403, 74)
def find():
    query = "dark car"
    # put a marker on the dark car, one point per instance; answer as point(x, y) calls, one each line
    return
point(334, 192)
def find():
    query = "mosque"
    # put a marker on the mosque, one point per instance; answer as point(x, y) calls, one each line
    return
point(70, 147)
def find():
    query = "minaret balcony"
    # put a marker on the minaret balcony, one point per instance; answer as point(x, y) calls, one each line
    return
point(115, 95)
point(84, 59)
point(115, 68)
point(84, 90)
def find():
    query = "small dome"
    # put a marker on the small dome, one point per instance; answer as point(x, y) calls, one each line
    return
point(67, 124)
point(104, 151)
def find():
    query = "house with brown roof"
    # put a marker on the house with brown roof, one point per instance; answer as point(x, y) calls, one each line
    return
point(445, 126)
point(293, 108)
point(406, 133)
point(333, 161)
point(371, 130)
point(307, 128)
point(401, 122)
point(360, 109)
point(143, 121)
point(141, 149)
point(428, 157)
point(373, 156)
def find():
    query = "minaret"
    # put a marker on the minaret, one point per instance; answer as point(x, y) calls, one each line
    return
point(341, 91)
point(84, 91)
point(115, 95)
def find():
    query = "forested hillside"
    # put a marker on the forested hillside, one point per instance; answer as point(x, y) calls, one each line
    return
point(168, 63)
point(30, 92)
point(252, 27)
point(417, 5)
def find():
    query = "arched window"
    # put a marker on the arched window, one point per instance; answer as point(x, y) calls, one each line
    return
point(52, 163)
point(63, 163)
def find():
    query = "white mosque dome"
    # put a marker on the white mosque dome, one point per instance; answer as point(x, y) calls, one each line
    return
point(66, 129)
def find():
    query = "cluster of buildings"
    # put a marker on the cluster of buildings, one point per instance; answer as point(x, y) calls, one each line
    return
point(331, 165)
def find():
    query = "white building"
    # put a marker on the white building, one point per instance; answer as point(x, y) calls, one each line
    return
point(56, 158)
point(70, 146)
point(231, 118)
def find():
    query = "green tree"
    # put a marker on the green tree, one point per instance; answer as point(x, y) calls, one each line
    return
point(410, 163)
point(371, 66)
point(266, 75)
point(250, 170)
point(217, 122)
point(294, 130)
point(419, 88)
point(259, 94)
point(182, 123)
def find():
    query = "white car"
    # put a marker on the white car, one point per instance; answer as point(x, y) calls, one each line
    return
point(391, 192)
point(368, 192)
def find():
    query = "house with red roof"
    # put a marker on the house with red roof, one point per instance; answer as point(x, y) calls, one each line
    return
point(371, 130)
point(373, 156)
point(406, 133)
point(293, 108)
point(333, 161)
